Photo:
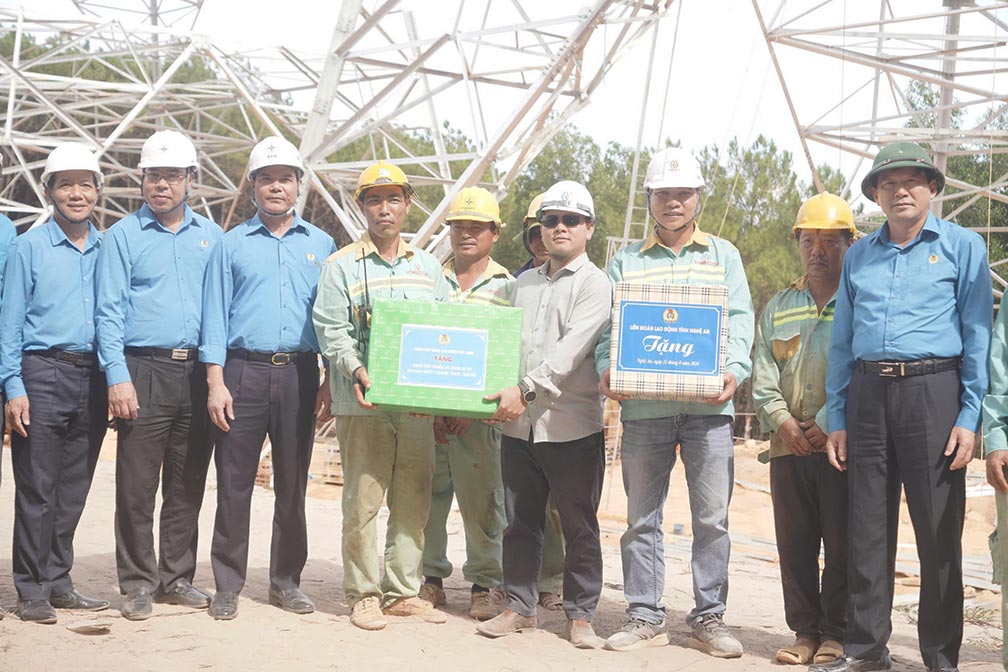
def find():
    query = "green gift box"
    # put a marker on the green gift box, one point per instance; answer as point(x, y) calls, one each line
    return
point(442, 358)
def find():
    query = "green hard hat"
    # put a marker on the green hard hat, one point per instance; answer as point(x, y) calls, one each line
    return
point(900, 155)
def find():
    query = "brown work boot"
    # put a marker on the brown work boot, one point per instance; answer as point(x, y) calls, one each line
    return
point(486, 604)
point(582, 635)
point(432, 594)
point(366, 614)
point(506, 623)
point(414, 607)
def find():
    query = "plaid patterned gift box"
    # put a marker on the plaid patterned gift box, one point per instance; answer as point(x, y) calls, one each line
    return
point(441, 358)
point(668, 341)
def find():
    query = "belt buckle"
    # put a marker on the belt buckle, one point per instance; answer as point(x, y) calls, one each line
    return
point(180, 354)
point(281, 358)
point(891, 369)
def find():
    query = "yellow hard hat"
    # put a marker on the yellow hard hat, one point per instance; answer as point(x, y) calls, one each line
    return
point(531, 220)
point(475, 204)
point(824, 211)
point(380, 174)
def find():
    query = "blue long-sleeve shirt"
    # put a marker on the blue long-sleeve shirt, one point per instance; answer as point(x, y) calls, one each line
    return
point(48, 298)
point(931, 298)
point(259, 290)
point(150, 286)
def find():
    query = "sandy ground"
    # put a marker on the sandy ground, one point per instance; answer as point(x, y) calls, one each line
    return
point(265, 638)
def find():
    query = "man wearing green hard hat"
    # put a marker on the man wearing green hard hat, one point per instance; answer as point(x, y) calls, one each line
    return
point(907, 375)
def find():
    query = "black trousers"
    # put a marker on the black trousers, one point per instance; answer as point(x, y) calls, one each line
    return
point(572, 471)
point(897, 429)
point(169, 439)
point(810, 507)
point(279, 402)
point(53, 467)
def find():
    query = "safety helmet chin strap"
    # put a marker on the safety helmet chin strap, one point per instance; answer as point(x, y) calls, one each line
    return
point(290, 211)
point(691, 220)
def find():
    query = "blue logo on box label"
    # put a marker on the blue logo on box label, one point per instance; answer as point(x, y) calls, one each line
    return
point(669, 338)
point(431, 356)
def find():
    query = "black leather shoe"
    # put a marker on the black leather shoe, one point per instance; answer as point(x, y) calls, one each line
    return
point(138, 605)
point(851, 664)
point(224, 606)
point(292, 600)
point(74, 600)
point(185, 595)
point(37, 611)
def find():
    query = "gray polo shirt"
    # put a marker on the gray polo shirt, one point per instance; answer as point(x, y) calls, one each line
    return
point(562, 318)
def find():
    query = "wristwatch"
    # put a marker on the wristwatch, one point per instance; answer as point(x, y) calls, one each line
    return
point(528, 393)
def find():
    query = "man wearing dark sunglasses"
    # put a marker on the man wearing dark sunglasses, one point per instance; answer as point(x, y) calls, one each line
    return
point(678, 252)
point(553, 421)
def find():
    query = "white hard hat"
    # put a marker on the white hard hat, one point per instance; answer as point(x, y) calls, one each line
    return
point(274, 151)
point(168, 149)
point(568, 196)
point(673, 167)
point(72, 156)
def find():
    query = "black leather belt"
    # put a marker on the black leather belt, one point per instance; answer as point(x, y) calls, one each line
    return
point(274, 358)
point(918, 367)
point(82, 359)
point(174, 354)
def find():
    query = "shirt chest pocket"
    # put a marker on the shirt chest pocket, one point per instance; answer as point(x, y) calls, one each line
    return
point(786, 340)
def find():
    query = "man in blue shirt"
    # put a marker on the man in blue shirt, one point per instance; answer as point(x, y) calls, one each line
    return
point(7, 235)
point(150, 286)
point(907, 375)
point(56, 398)
point(261, 354)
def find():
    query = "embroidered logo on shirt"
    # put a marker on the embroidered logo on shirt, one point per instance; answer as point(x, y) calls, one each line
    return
point(311, 257)
point(933, 259)
point(204, 243)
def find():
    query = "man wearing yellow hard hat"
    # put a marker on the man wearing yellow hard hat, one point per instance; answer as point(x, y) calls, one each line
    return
point(381, 452)
point(467, 452)
point(789, 394)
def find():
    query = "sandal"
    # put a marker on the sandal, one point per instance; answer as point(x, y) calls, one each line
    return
point(550, 601)
point(828, 651)
point(799, 653)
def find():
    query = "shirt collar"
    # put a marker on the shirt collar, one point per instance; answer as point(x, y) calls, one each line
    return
point(930, 230)
point(367, 247)
point(57, 236)
point(801, 285)
point(256, 225)
point(572, 267)
point(493, 270)
point(148, 220)
point(699, 237)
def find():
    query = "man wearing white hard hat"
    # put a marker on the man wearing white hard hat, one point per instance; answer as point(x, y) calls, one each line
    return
point(677, 251)
point(261, 355)
point(553, 441)
point(56, 399)
point(150, 287)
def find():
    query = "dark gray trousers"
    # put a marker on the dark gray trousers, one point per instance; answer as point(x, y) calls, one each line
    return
point(53, 467)
point(897, 429)
point(169, 439)
point(572, 471)
point(279, 402)
point(810, 506)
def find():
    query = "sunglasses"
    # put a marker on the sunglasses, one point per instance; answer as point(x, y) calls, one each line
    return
point(570, 221)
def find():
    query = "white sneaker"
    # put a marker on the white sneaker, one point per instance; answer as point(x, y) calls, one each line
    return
point(713, 637)
point(638, 634)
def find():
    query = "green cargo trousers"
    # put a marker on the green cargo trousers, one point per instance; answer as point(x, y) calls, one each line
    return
point(384, 456)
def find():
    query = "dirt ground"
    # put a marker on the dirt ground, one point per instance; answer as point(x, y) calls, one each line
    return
point(265, 638)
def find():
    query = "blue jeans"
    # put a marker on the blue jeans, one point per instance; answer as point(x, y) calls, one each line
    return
point(648, 455)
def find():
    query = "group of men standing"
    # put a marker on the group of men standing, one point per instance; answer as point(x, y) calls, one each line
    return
point(870, 370)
